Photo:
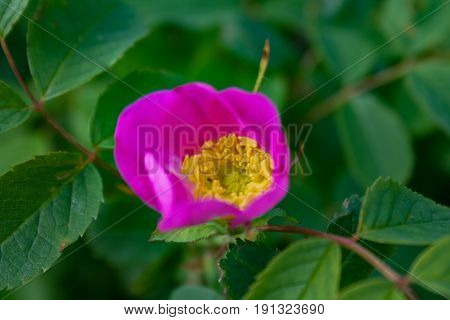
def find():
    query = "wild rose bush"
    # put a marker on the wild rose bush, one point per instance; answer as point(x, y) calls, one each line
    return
point(137, 161)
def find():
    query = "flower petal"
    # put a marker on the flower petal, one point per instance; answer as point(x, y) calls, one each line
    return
point(154, 133)
point(257, 110)
point(221, 118)
point(168, 125)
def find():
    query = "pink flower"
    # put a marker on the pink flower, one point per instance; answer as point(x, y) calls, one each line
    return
point(195, 154)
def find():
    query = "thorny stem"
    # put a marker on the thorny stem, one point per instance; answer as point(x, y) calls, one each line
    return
point(38, 106)
point(351, 244)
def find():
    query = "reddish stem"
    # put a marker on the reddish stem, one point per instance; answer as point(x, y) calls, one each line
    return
point(17, 74)
point(351, 244)
point(39, 107)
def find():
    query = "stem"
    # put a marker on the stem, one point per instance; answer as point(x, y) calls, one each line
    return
point(17, 74)
point(351, 244)
point(91, 155)
point(39, 107)
point(66, 135)
point(263, 63)
point(349, 92)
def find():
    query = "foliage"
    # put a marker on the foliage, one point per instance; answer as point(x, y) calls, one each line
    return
point(194, 293)
point(372, 75)
point(13, 111)
point(369, 131)
point(189, 234)
point(432, 269)
point(79, 51)
point(66, 195)
point(371, 290)
point(427, 85)
point(9, 14)
point(345, 223)
point(306, 270)
point(243, 261)
point(121, 241)
point(391, 213)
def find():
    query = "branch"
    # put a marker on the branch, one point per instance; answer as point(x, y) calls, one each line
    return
point(38, 106)
point(66, 135)
point(90, 155)
point(16, 72)
point(351, 244)
point(331, 104)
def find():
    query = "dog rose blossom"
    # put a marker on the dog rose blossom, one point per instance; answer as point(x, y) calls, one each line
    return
point(195, 154)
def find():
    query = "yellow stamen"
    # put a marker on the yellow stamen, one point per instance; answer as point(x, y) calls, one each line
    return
point(233, 169)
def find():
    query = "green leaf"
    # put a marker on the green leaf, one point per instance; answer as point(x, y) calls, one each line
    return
point(189, 234)
point(22, 144)
point(10, 11)
point(190, 13)
point(374, 289)
point(190, 292)
point(354, 268)
point(128, 223)
point(418, 121)
point(392, 213)
point(13, 111)
point(47, 203)
point(243, 261)
point(308, 269)
point(72, 41)
point(432, 29)
point(119, 95)
point(432, 268)
point(284, 12)
point(304, 212)
point(274, 217)
point(246, 38)
point(374, 140)
point(428, 84)
point(346, 49)
point(346, 221)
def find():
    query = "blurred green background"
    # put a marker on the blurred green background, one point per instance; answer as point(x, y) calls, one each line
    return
point(400, 128)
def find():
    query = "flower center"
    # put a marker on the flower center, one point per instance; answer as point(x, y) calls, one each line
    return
point(233, 169)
